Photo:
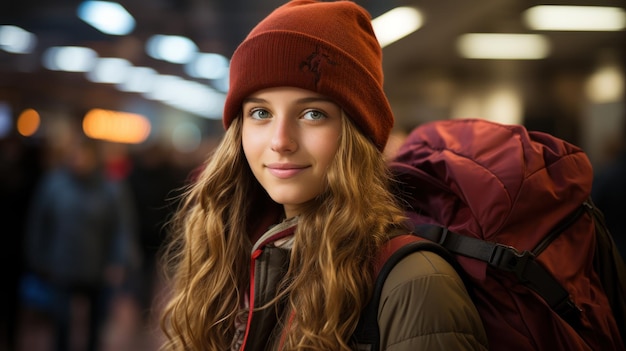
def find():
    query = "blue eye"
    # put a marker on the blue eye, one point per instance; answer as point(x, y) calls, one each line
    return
point(260, 114)
point(314, 115)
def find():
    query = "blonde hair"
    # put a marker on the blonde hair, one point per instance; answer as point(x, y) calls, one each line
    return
point(336, 240)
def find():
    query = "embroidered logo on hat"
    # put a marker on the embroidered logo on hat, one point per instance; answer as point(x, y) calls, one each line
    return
point(315, 62)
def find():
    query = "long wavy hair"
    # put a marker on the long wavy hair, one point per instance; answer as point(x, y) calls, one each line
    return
point(336, 240)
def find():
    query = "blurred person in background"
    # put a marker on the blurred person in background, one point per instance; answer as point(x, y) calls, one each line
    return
point(152, 180)
point(20, 167)
point(79, 240)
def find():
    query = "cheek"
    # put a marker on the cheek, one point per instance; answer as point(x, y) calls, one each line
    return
point(325, 148)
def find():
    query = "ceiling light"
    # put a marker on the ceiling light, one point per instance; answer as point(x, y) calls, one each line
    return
point(109, 70)
point(208, 65)
point(138, 80)
point(395, 24)
point(16, 40)
point(606, 84)
point(187, 95)
point(107, 17)
point(503, 46)
point(575, 18)
point(171, 48)
point(164, 86)
point(69, 58)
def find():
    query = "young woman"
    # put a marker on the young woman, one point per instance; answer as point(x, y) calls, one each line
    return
point(274, 245)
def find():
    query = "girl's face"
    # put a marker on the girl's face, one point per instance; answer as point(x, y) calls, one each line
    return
point(290, 137)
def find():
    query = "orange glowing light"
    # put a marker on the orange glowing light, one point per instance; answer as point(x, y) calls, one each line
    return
point(28, 122)
point(116, 126)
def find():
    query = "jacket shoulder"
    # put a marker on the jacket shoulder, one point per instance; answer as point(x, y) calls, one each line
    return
point(425, 305)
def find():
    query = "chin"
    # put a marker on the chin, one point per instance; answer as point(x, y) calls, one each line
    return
point(289, 200)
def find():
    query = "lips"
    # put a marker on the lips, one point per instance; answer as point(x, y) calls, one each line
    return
point(285, 170)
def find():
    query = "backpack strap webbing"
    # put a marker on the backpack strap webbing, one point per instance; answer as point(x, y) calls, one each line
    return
point(610, 266)
point(367, 334)
point(506, 258)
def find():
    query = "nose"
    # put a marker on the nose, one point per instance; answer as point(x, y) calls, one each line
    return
point(283, 136)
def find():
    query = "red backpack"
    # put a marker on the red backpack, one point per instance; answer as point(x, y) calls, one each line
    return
point(511, 210)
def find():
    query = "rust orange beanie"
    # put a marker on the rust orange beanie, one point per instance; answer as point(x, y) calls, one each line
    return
point(326, 47)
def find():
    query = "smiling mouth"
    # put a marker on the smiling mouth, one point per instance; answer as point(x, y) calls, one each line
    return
point(285, 171)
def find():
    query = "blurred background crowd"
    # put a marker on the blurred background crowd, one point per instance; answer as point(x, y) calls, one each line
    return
point(104, 119)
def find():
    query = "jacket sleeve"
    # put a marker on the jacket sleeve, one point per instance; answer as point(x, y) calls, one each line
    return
point(425, 306)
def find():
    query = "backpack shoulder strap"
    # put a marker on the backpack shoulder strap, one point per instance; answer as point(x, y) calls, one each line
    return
point(506, 258)
point(367, 334)
point(610, 267)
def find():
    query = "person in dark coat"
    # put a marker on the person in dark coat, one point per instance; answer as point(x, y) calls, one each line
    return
point(79, 238)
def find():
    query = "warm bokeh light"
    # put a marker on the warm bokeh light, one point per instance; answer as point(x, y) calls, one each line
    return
point(606, 84)
point(508, 46)
point(116, 126)
point(28, 122)
point(396, 24)
point(575, 18)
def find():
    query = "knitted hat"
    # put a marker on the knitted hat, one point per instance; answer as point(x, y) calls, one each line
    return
point(326, 47)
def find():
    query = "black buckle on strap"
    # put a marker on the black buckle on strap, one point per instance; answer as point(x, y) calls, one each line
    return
point(509, 259)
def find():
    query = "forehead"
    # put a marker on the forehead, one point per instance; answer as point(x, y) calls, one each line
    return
point(287, 91)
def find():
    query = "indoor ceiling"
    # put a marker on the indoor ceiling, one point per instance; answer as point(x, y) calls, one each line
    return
point(420, 70)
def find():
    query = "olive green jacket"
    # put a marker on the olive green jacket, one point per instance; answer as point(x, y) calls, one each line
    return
point(425, 306)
